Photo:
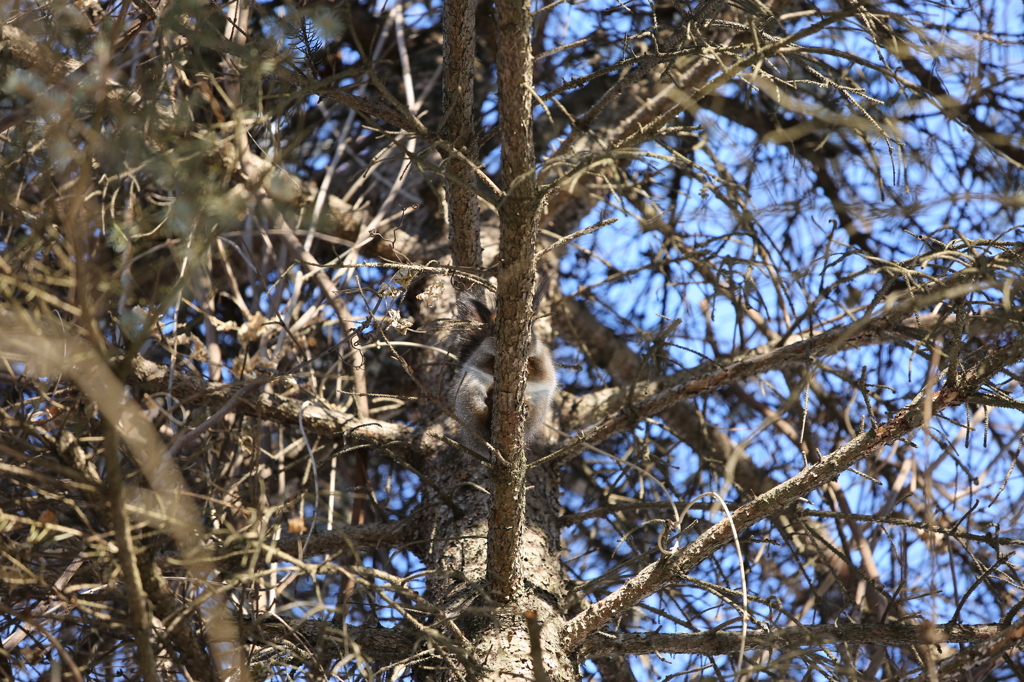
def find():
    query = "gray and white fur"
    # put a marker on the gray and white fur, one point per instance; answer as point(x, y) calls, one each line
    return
point(472, 393)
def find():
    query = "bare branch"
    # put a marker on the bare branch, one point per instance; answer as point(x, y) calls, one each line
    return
point(720, 643)
point(665, 571)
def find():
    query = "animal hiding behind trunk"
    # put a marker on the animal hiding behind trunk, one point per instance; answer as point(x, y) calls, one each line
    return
point(473, 390)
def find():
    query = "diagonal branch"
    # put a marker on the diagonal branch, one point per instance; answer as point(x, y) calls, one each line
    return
point(668, 568)
point(790, 351)
point(57, 353)
point(895, 42)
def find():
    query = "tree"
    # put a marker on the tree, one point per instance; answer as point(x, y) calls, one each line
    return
point(773, 246)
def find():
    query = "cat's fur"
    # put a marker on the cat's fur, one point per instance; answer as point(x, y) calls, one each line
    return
point(472, 392)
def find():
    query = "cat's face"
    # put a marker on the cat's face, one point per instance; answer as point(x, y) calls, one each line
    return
point(472, 394)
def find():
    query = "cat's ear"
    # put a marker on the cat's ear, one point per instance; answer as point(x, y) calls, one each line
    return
point(543, 280)
point(471, 394)
point(472, 309)
point(475, 323)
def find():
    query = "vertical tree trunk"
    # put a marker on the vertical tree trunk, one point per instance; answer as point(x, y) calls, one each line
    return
point(457, 552)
